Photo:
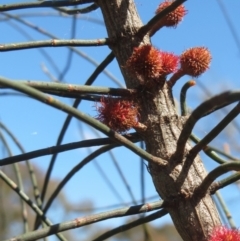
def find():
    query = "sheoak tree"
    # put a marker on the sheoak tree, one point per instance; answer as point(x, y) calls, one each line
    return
point(147, 105)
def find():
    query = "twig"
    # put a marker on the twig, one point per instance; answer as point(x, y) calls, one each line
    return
point(205, 108)
point(75, 50)
point(53, 43)
point(62, 88)
point(88, 9)
point(183, 94)
point(225, 210)
point(217, 172)
point(207, 149)
point(225, 182)
point(215, 131)
point(81, 116)
point(79, 222)
point(41, 4)
point(66, 147)
point(130, 225)
point(100, 68)
point(74, 170)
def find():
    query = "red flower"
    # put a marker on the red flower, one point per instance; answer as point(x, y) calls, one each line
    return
point(145, 63)
point(224, 234)
point(169, 63)
point(195, 61)
point(173, 18)
point(120, 115)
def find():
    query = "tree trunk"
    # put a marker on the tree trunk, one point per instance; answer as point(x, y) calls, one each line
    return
point(194, 219)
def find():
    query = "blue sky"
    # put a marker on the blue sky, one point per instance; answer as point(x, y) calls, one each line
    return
point(37, 125)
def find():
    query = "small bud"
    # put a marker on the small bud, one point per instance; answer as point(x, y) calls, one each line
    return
point(224, 234)
point(195, 61)
point(169, 63)
point(173, 18)
point(145, 63)
point(120, 115)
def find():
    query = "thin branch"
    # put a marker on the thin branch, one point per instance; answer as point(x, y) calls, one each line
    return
point(75, 50)
point(225, 210)
point(22, 31)
point(48, 100)
point(62, 88)
point(205, 108)
point(100, 68)
point(225, 182)
point(24, 197)
point(53, 43)
point(74, 170)
point(215, 131)
point(208, 150)
point(217, 172)
point(42, 4)
point(62, 148)
point(118, 169)
point(183, 94)
point(83, 221)
point(151, 24)
point(131, 225)
point(223, 153)
point(87, 9)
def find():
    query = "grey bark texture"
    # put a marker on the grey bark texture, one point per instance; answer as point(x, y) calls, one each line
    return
point(194, 218)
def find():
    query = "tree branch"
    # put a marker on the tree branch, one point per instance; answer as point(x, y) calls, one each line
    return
point(54, 43)
point(217, 172)
point(63, 88)
point(42, 4)
point(83, 221)
point(81, 116)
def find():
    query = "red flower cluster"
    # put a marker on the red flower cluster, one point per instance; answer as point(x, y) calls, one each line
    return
point(224, 234)
point(195, 61)
point(145, 63)
point(150, 64)
point(169, 63)
point(120, 115)
point(173, 18)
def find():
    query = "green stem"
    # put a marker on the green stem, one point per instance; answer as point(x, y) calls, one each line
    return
point(134, 137)
point(217, 172)
point(132, 224)
point(83, 221)
point(63, 88)
point(88, 9)
point(225, 210)
point(53, 43)
point(48, 100)
point(41, 4)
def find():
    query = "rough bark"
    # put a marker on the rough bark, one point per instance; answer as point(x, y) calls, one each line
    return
point(175, 183)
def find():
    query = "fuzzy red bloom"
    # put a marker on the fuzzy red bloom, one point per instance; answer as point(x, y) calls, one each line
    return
point(195, 61)
point(173, 18)
point(169, 63)
point(145, 63)
point(224, 234)
point(120, 115)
